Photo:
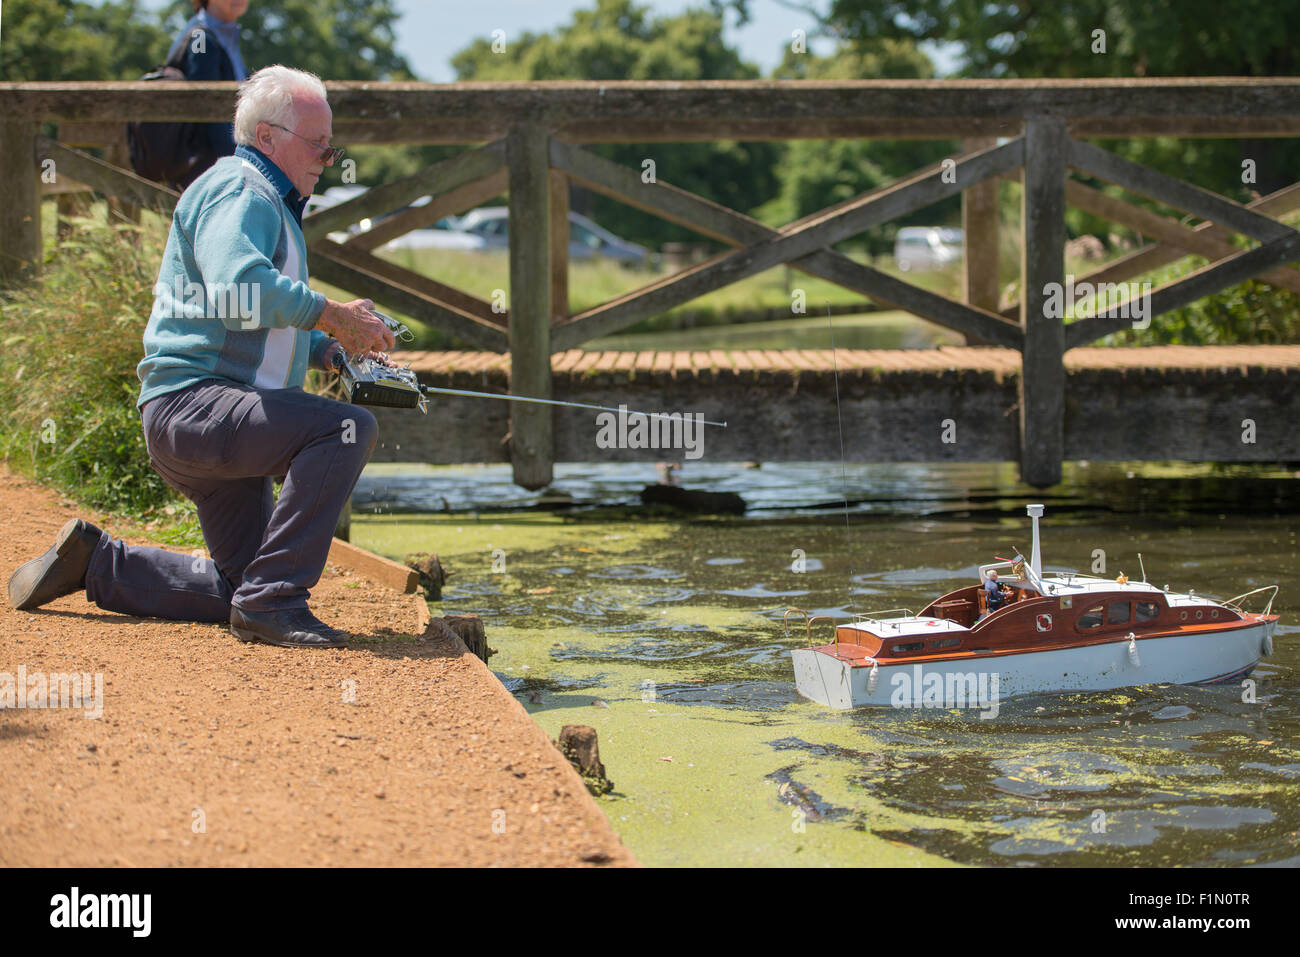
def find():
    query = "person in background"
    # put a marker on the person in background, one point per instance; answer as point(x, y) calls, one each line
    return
point(208, 61)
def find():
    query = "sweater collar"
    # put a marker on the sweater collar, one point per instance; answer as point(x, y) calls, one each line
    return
point(288, 192)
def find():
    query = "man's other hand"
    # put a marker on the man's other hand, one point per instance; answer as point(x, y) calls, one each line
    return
point(356, 328)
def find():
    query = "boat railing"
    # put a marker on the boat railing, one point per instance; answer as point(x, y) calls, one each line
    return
point(1236, 602)
point(808, 623)
point(876, 617)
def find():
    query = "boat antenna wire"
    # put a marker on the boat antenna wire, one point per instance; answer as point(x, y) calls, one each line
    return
point(844, 475)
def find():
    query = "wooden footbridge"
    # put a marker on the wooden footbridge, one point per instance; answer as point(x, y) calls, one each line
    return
point(532, 138)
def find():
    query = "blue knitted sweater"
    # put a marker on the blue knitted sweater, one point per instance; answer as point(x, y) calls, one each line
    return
point(231, 300)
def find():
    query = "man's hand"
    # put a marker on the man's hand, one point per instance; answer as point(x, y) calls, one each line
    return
point(331, 363)
point(336, 365)
point(355, 327)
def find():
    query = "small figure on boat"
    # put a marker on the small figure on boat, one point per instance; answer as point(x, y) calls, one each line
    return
point(668, 472)
point(994, 593)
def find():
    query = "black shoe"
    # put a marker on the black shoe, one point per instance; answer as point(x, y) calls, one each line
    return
point(290, 628)
point(60, 571)
point(324, 630)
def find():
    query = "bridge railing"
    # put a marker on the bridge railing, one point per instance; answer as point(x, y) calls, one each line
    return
point(528, 140)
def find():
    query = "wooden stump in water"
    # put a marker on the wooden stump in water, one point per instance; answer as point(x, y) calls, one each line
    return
point(578, 744)
point(432, 575)
point(469, 628)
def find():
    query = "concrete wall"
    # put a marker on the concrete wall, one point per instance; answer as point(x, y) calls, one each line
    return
point(888, 415)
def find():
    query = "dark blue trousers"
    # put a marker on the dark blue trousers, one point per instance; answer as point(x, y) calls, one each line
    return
point(219, 443)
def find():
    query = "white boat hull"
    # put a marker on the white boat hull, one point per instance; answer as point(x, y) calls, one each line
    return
point(979, 682)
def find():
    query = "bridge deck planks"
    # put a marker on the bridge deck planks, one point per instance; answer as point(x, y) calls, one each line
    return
point(576, 362)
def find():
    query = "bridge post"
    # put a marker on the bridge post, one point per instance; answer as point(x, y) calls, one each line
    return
point(1042, 264)
point(979, 221)
point(559, 212)
point(20, 199)
point(532, 451)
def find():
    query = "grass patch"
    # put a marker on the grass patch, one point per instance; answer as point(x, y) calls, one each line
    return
point(69, 345)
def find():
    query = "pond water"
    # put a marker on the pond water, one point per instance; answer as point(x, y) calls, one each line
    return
point(665, 633)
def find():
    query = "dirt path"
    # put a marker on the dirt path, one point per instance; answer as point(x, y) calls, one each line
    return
point(210, 751)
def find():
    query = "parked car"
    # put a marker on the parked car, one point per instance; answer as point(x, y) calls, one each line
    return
point(332, 197)
point(927, 247)
point(586, 239)
point(443, 234)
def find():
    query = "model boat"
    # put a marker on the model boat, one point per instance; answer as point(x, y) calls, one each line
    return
point(1062, 632)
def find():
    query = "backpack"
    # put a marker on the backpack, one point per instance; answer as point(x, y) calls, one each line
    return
point(170, 153)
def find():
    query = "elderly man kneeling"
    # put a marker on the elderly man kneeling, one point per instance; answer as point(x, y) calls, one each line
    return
point(233, 330)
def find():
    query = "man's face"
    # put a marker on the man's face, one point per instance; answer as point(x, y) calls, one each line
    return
point(300, 156)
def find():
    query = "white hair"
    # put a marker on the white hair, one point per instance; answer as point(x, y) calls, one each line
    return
point(268, 96)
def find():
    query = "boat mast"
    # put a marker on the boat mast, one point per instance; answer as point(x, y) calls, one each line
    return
point(1035, 555)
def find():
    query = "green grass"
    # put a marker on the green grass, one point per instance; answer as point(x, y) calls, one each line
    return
point(69, 345)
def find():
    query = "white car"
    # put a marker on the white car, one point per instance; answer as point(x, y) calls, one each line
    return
point(442, 235)
point(586, 238)
point(332, 197)
point(927, 247)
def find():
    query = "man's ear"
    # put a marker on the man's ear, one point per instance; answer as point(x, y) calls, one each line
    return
point(264, 134)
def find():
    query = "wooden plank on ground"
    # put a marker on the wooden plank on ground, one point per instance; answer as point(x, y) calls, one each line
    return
point(382, 571)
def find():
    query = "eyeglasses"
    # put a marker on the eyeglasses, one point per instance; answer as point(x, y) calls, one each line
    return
point(328, 154)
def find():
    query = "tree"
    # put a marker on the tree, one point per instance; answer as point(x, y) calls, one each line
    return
point(71, 40)
point(619, 40)
point(1014, 38)
point(1151, 38)
point(816, 174)
point(48, 40)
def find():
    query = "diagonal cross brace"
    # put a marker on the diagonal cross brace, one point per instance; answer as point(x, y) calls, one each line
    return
point(1204, 282)
point(793, 244)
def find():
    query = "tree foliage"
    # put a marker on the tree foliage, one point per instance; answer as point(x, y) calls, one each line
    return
point(1151, 38)
point(815, 174)
point(72, 40)
point(620, 40)
point(50, 40)
point(1013, 38)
